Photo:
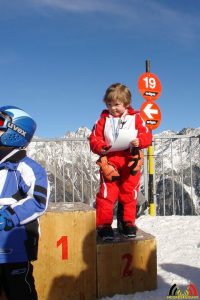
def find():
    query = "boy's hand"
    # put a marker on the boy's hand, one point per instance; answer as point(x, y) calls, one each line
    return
point(105, 149)
point(135, 142)
point(5, 221)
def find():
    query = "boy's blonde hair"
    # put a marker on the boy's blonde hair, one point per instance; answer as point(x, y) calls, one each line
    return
point(118, 91)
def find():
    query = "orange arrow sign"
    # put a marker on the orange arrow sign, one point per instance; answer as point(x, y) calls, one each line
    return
point(151, 114)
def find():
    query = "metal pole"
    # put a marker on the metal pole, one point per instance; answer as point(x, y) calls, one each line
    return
point(151, 188)
point(148, 63)
point(151, 168)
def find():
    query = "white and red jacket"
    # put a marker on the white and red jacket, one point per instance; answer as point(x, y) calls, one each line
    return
point(110, 131)
point(108, 128)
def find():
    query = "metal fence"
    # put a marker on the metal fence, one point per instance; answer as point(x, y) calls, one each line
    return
point(177, 175)
point(74, 176)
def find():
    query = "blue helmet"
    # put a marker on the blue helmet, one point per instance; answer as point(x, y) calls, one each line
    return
point(17, 125)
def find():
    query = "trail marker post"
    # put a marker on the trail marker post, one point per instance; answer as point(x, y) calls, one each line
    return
point(150, 88)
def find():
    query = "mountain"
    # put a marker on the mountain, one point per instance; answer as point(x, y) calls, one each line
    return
point(74, 175)
point(82, 132)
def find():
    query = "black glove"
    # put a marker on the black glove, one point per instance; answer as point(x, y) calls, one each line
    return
point(136, 160)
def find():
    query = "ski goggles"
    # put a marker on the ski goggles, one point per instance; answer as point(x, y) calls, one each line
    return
point(4, 119)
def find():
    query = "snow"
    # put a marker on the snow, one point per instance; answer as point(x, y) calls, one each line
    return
point(178, 254)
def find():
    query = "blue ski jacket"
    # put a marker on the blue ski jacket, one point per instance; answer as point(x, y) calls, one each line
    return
point(24, 193)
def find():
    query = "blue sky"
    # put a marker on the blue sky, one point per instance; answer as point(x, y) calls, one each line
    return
point(57, 57)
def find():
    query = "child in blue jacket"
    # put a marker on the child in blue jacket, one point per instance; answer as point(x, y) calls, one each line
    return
point(23, 199)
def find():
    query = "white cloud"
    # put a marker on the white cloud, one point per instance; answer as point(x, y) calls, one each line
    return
point(145, 12)
point(77, 5)
point(144, 15)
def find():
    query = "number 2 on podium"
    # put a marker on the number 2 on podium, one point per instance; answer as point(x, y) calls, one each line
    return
point(63, 241)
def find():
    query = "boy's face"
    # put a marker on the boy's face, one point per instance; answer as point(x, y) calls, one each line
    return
point(116, 108)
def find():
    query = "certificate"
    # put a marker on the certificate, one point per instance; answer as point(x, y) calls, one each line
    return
point(123, 140)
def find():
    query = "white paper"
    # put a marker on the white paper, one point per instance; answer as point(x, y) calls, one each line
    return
point(123, 140)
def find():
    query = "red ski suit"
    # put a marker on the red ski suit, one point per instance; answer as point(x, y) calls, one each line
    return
point(106, 132)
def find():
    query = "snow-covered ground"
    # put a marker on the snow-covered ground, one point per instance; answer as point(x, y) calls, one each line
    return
point(178, 254)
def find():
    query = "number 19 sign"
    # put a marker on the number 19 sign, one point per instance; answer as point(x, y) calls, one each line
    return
point(149, 86)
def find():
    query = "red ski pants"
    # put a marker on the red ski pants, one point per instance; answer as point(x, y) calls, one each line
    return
point(124, 190)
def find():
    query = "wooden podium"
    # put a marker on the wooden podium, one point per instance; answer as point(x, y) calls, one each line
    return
point(66, 265)
point(126, 266)
point(73, 264)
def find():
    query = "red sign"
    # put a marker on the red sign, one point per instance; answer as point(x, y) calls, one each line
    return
point(151, 114)
point(149, 86)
